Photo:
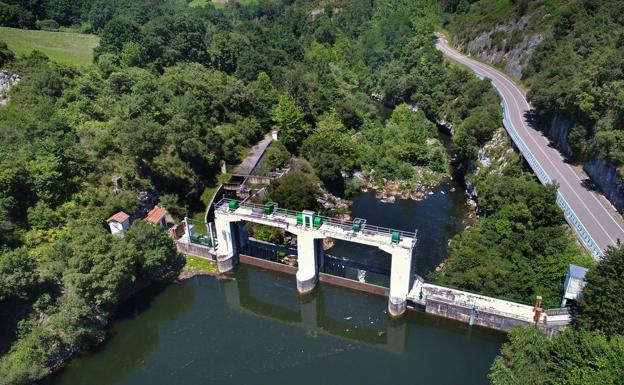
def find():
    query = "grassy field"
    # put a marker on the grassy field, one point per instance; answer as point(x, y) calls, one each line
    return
point(64, 47)
point(200, 264)
point(221, 3)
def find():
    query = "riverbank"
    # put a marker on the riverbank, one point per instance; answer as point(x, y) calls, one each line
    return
point(196, 266)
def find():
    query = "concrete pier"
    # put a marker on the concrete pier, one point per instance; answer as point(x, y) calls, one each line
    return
point(227, 249)
point(307, 273)
point(401, 278)
point(310, 230)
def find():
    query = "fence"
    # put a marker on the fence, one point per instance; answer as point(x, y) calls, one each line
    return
point(545, 179)
point(275, 213)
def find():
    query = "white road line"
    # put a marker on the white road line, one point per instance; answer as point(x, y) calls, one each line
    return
point(500, 78)
point(560, 173)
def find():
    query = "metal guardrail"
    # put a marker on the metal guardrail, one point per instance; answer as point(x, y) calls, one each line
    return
point(558, 311)
point(469, 305)
point(545, 179)
point(223, 205)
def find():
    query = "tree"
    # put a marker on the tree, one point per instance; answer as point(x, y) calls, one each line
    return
point(18, 275)
point(289, 118)
point(277, 156)
point(116, 33)
point(294, 191)
point(99, 268)
point(157, 256)
point(6, 55)
point(572, 358)
point(523, 360)
point(601, 306)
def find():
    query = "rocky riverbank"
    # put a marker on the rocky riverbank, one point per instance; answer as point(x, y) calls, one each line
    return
point(417, 189)
point(7, 81)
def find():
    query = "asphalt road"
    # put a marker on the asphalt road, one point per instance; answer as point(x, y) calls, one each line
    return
point(603, 223)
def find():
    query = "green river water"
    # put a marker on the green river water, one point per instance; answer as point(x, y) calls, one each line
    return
point(255, 328)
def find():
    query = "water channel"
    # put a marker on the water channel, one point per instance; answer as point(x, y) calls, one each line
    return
point(255, 328)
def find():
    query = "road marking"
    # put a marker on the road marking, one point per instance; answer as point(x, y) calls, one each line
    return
point(493, 74)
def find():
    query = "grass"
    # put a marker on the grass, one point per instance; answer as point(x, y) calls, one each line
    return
point(199, 216)
point(63, 47)
point(200, 264)
point(220, 4)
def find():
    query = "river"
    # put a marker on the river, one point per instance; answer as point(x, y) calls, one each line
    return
point(255, 328)
point(437, 218)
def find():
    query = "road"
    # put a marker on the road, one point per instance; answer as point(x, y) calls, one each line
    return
point(254, 156)
point(604, 224)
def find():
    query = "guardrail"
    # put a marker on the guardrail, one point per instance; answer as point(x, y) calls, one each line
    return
point(223, 205)
point(545, 179)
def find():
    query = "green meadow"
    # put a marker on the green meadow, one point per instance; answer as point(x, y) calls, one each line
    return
point(63, 47)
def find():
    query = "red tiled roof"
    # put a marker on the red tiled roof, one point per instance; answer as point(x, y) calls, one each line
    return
point(120, 217)
point(156, 215)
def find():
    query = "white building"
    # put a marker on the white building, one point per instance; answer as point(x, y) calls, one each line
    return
point(574, 284)
point(119, 223)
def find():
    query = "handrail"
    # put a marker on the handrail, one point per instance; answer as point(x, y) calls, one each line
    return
point(223, 205)
point(545, 179)
point(469, 305)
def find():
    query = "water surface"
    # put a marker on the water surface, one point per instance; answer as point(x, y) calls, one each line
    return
point(257, 329)
point(437, 219)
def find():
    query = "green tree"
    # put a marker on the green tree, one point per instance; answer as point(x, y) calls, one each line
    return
point(523, 360)
point(295, 191)
point(289, 118)
point(6, 55)
point(601, 306)
point(18, 275)
point(277, 156)
point(157, 256)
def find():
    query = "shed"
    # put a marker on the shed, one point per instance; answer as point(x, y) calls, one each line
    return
point(574, 283)
point(119, 223)
point(159, 216)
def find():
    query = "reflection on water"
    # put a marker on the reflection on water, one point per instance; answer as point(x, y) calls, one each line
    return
point(257, 329)
point(437, 218)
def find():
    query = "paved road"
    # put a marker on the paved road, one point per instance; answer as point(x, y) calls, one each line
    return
point(603, 224)
point(254, 156)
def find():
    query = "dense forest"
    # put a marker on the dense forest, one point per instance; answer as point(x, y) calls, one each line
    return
point(590, 353)
point(576, 70)
point(174, 91)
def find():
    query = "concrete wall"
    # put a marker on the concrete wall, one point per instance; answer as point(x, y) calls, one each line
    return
point(194, 249)
point(461, 313)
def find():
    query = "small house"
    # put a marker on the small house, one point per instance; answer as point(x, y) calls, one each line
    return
point(574, 284)
point(159, 216)
point(119, 223)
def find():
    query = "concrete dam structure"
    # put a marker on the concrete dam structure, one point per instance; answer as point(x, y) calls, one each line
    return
point(231, 217)
point(406, 289)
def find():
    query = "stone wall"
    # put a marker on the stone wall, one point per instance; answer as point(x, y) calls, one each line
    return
point(499, 46)
point(603, 174)
point(558, 132)
point(606, 177)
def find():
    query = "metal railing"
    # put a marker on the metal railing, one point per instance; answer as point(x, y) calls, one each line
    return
point(545, 179)
point(558, 311)
point(223, 206)
point(470, 305)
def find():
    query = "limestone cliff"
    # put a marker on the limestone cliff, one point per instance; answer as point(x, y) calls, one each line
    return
point(506, 45)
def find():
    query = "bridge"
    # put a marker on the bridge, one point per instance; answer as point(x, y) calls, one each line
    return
point(231, 217)
point(406, 288)
point(596, 225)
